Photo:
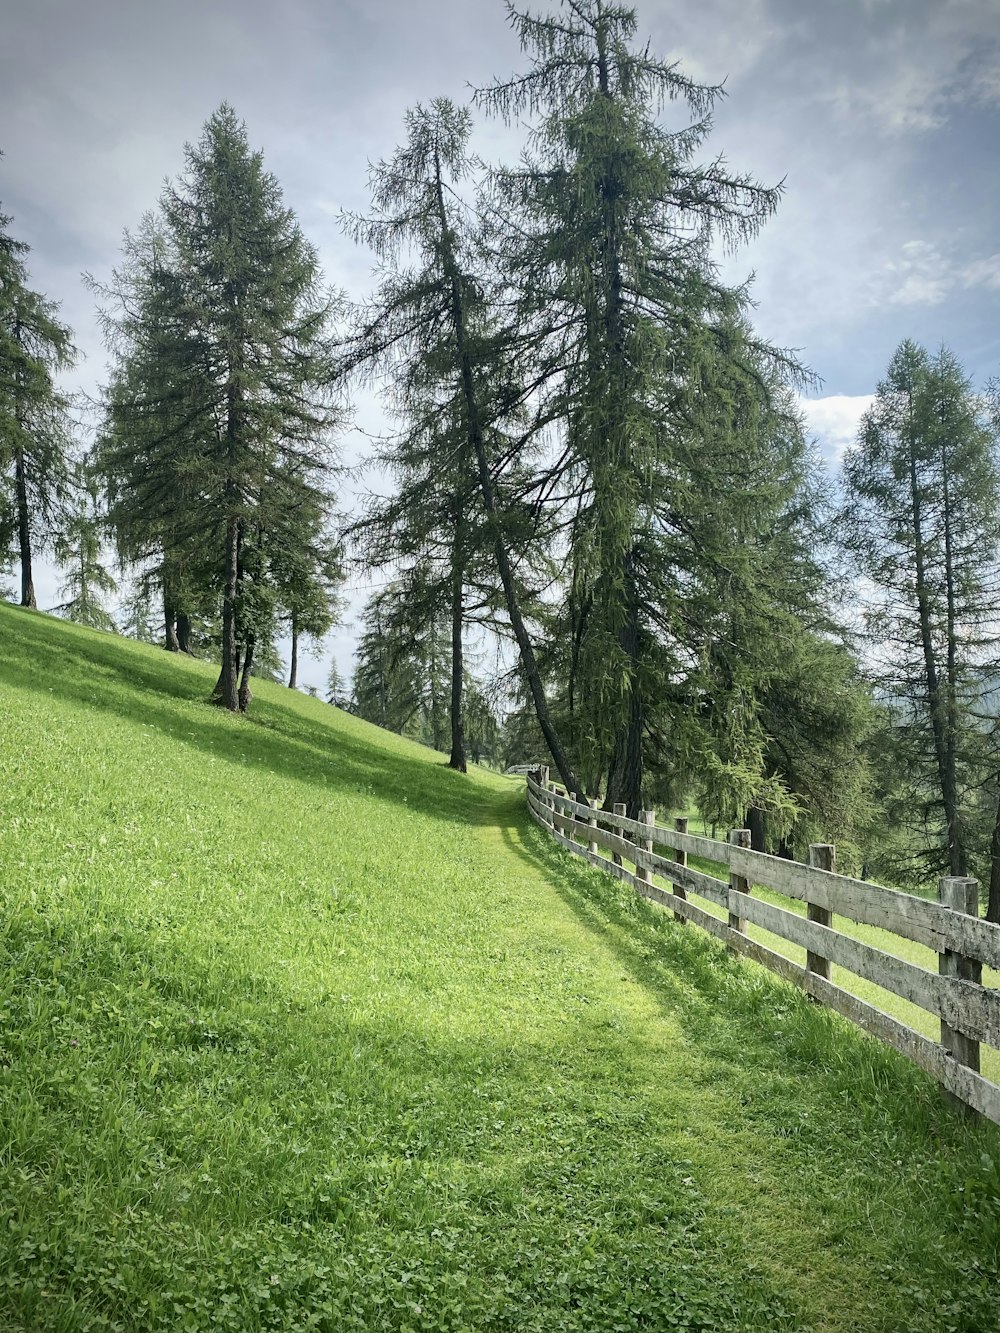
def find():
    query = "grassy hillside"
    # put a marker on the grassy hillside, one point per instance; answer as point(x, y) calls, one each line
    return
point(298, 1029)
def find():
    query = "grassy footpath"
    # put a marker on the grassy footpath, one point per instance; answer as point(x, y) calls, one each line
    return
point(300, 1030)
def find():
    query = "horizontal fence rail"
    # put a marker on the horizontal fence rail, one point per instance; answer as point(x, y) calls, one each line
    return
point(968, 1011)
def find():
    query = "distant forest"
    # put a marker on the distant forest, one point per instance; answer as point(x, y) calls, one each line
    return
point(597, 461)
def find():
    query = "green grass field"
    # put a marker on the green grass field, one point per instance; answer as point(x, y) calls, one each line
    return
point(300, 1030)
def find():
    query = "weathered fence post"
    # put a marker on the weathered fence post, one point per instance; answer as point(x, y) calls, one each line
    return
point(544, 780)
point(822, 856)
point(645, 873)
point(680, 826)
point(619, 809)
point(739, 837)
point(575, 817)
point(592, 846)
point(961, 895)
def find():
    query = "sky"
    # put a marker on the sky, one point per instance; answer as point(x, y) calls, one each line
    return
point(881, 117)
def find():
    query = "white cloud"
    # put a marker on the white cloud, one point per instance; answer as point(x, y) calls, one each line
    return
point(923, 275)
point(714, 41)
point(833, 421)
point(916, 63)
point(982, 273)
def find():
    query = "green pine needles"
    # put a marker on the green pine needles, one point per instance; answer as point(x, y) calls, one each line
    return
point(224, 373)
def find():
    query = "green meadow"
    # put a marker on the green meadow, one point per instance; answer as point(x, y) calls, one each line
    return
point(301, 1030)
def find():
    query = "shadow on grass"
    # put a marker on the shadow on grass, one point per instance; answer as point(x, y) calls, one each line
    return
point(752, 1030)
point(380, 1161)
point(107, 672)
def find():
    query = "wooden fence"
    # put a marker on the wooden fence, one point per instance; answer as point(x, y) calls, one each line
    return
point(969, 1012)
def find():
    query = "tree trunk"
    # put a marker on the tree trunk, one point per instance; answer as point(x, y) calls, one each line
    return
point(626, 770)
point(170, 639)
point(529, 664)
point(183, 632)
point(233, 574)
point(943, 752)
point(754, 821)
point(956, 850)
point(245, 694)
point(228, 679)
point(24, 530)
point(294, 671)
point(993, 902)
point(614, 445)
point(457, 759)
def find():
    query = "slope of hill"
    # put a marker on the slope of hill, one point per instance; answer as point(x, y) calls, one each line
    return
point(299, 1029)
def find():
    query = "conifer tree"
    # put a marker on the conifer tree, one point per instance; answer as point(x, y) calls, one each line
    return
point(227, 373)
point(435, 319)
point(137, 618)
point(306, 568)
point(153, 451)
point(388, 689)
point(482, 729)
point(923, 524)
point(604, 234)
point(335, 692)
point(431, 529)
point(35, 423)
point(402, 668)
point(79, 551)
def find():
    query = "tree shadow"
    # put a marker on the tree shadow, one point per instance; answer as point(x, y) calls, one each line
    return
point(105, 673)
point(425, 1149)
point(750, 1028)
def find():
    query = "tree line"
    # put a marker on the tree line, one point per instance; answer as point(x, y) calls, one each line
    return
point(597, 460)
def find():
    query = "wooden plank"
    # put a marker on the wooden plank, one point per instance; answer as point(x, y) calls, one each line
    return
point(904, 914)
point(707, 848)
point(685, 909)
point(971, 1009)
point(695, 881)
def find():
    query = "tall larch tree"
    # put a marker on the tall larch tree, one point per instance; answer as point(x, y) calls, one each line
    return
point(604, 234)
point(35, 421)
point(923, 524)
point(434, 315)
point(80, 552)
point(235, 401)
point(251, 286)
point(153, 452)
